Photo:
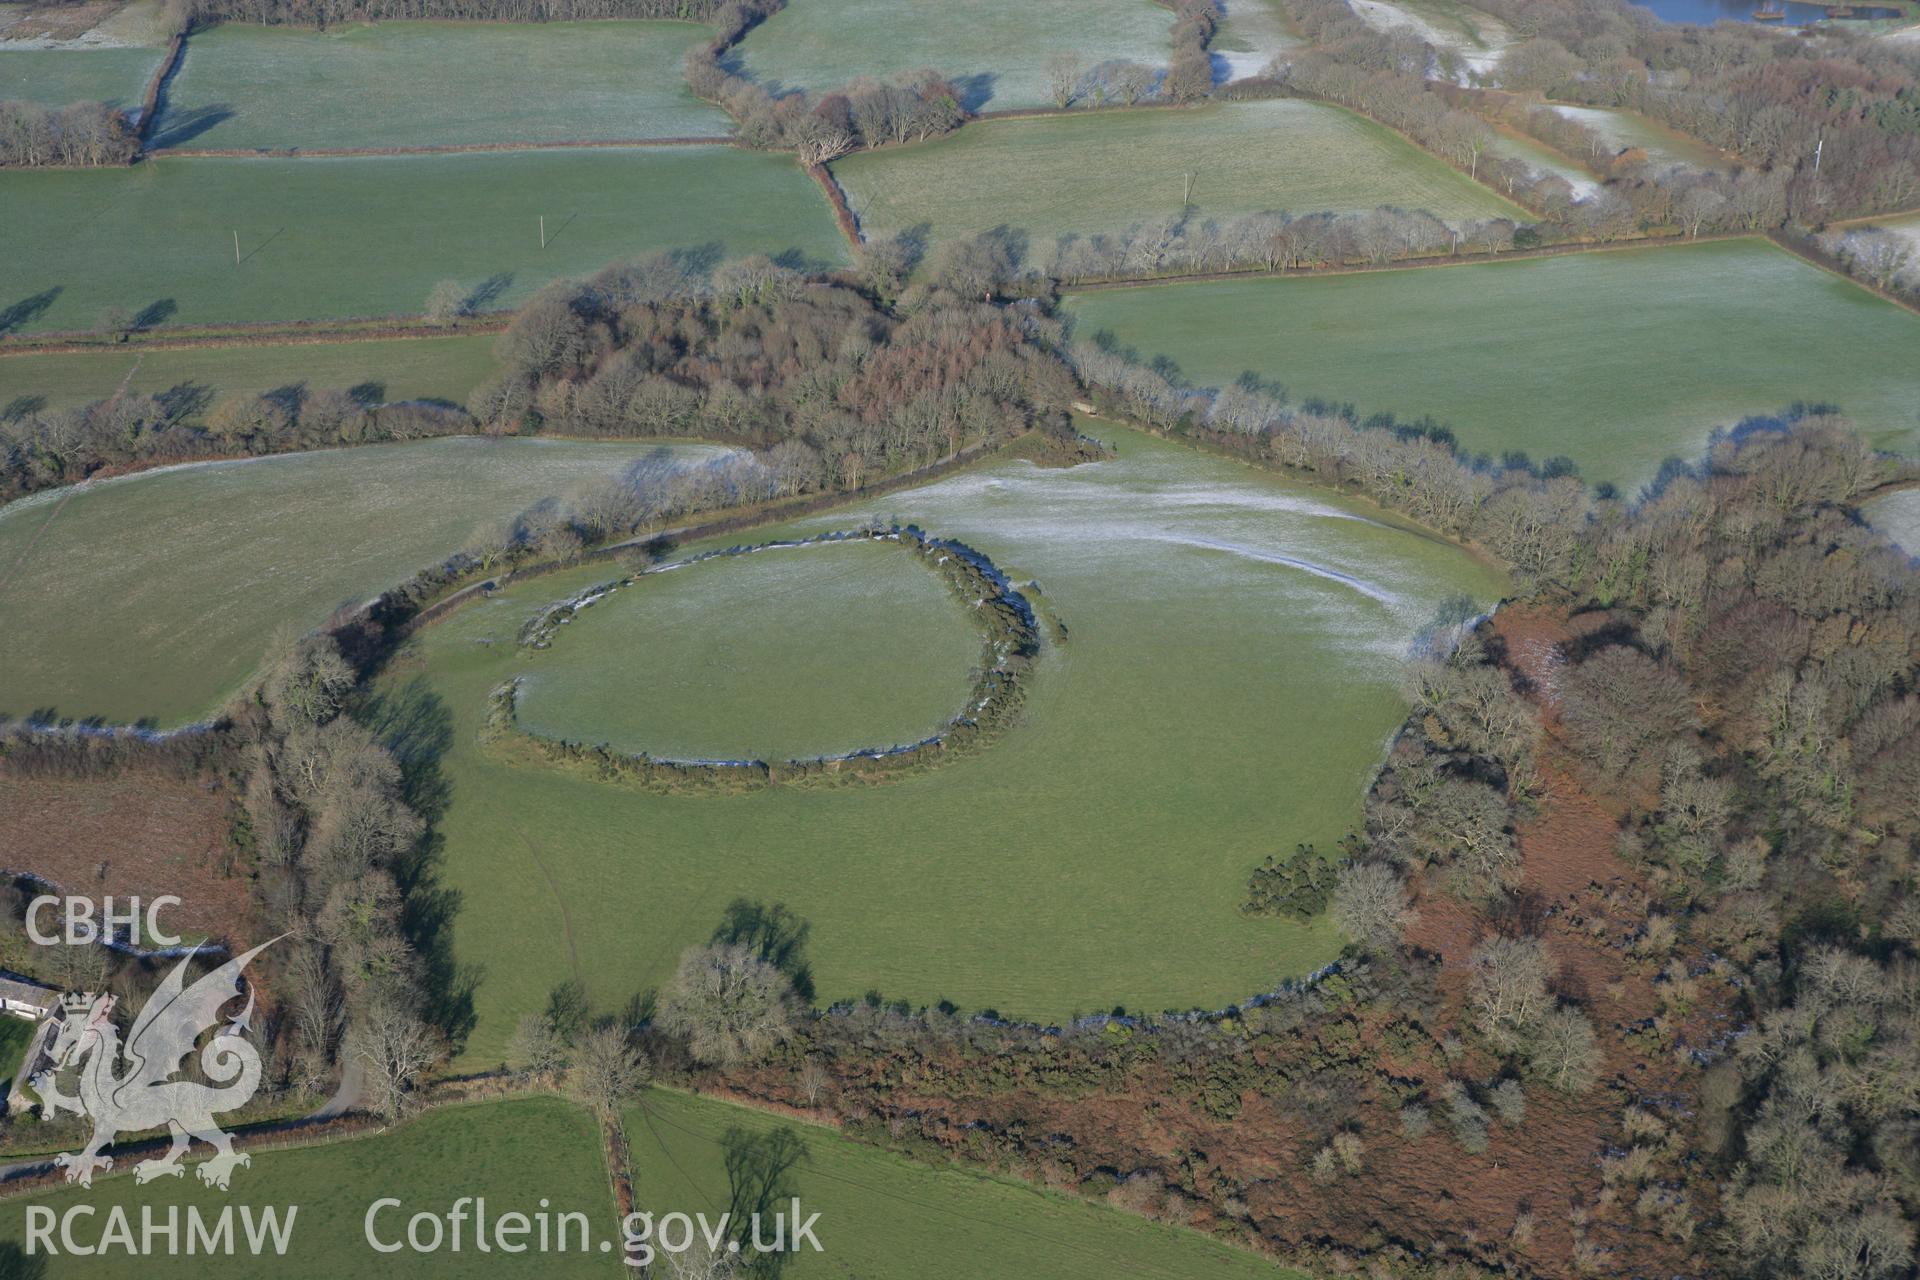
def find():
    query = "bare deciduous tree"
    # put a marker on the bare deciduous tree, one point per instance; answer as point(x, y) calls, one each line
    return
point(729, 1004)
point(1508, 990)
point(393, 1046)
point(607, 1070)
point(1370, 904)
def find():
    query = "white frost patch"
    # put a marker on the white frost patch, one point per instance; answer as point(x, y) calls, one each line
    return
point(1257, 27)
point(1372, 591)
point(1476, 58)
point(1240, 65)
point(1907, 228)
point(133, 26)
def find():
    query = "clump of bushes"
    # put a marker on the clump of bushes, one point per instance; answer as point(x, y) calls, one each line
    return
point(1299, 888)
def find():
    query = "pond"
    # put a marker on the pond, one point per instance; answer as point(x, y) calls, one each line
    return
point(1708, 12)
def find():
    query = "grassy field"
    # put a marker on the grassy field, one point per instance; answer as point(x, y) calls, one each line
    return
point(1104, 172)
point(1618, 359)
point(1251, 34)
point(400, 369)
point(1225, 693)
point(995, 51)
point(157, 595)
point(1623, 129)
point(329, 238)
point(386, 85)
point(56, 77)
point(746, 658)
point(1898, 516)
point(884, 1215)
point(515, 1153)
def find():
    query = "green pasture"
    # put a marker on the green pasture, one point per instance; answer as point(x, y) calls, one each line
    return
point(1225, 693)
point(115, 74)
point(1617, 359)
point(389, 370)
point(15, 1035)
point(1103, 172)
point(371, 236)
point(515, 1153)
point(436, 83)
point(882, 1214)
point(154, 597)
point(995, 51)
point(748, 657)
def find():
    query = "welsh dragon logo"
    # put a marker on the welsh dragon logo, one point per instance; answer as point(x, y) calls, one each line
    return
point(145, 1096)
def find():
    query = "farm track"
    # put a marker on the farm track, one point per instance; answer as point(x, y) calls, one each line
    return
point(566, 917)
point(26, 552)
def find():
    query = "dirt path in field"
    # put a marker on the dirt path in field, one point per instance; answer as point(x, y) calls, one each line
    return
point(566, 917)
point(27, 550)
point(62, 504)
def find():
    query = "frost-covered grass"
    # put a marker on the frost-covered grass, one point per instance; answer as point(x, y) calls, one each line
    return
point(748, 657)
point(1226, 689)
point(428, 83)
point(1468, 41)
point(330, 238)
point(1623, 129)
point(1908, 227)
point(1252, 33)
point(1617, 359)
point(996, 51)
point(115, 74)
point(155, 596)
point(1100, 173)
point(393, 369)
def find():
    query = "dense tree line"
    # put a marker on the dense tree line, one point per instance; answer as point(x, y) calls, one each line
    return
point(335, 846)
point(1190, 71)
point(83, 135)
point(1384, 75)
point(324, 826)
point(870, 112)
point(1528, 515)
point(1835, 116)
point(915, 105)
point(42, 448)
point(1764, 699)
point(1275, 241)
point(1885, 259)
point(837, 389)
